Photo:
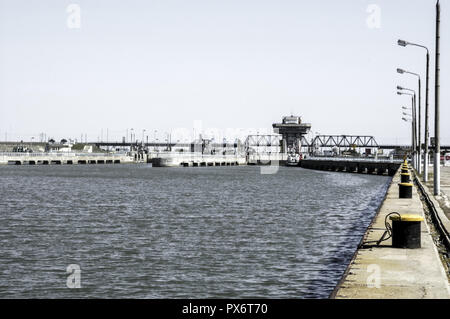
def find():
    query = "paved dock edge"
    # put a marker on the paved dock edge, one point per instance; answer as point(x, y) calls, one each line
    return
point(352, 260)
point(406, 273)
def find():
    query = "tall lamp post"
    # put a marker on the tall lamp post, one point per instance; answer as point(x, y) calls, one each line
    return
point(404, 43)
point(418, 146)
point(437, 147)
point(413, 108)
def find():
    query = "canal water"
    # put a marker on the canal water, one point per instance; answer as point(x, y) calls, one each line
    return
point(210, 232)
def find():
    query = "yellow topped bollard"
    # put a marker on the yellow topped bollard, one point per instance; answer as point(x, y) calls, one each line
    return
point(406, 230)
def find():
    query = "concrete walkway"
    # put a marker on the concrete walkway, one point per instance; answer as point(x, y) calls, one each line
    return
point(445, 180)
point(386, 272)
point(444, 198)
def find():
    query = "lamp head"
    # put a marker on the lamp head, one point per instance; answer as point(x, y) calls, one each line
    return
point(402, 43)
point(401, 71)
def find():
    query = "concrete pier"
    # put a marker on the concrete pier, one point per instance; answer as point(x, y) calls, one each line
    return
point(352, 165)
point(385, 272)
point(196, 160)
point(67, 158)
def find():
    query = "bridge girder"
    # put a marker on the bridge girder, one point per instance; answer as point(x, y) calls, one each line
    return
point(359, 141)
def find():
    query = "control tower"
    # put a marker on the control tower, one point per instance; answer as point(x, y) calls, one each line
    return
point(292, 129)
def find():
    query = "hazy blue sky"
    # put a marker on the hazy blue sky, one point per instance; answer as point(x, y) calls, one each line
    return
point(231, 64)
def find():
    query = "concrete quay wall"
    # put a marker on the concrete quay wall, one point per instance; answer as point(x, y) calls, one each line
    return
point(353, 165)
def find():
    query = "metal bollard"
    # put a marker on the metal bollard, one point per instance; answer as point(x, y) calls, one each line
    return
point(405, 177)
point(406, 231)
point(405, 190)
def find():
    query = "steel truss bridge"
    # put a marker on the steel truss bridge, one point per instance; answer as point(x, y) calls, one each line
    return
point(328, 141)
point(320, 141)
point(263, 143)
point(357, 141)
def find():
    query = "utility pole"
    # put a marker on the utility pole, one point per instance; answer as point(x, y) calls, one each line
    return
point(427, 134)
point(419, 146)
point(414, 103)
point(437, 148)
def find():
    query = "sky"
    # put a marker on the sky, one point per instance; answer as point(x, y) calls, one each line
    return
point(218, 65)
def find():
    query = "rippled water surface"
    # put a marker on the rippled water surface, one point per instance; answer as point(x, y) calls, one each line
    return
point(143, 232)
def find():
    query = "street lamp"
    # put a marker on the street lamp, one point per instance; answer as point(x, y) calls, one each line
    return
point(404, 43)
point(413, 122)
point(413, 111)
point(419, 163)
